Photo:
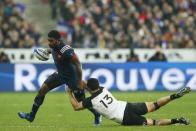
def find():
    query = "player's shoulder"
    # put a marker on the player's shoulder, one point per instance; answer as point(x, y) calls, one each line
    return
point(96, 94)
point(64, 47)
point(103, 89)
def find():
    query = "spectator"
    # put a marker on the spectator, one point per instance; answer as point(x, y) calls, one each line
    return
point(110, 23)
point(53, 5)
point(14, 27)
point(4, 57)
point(132, 57)
point(158, 56)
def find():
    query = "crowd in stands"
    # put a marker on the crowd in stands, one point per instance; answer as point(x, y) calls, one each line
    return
point(106, 23)
point(4, 57)
point(15, 30)
point(127, 23)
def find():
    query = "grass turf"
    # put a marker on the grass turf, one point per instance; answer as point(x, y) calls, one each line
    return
point(57, 114)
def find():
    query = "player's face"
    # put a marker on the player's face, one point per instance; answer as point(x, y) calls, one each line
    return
point(52, 42)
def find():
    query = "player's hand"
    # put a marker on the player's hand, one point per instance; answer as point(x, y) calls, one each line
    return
point(82, 84)
point(41, 54)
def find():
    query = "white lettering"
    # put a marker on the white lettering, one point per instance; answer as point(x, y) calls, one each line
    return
point(133, 80)
point(44, 75)
point(150, 83)
point(173, 79)
point(85, 73)
point(107, 74)
point(192, 82)
point(22, 80)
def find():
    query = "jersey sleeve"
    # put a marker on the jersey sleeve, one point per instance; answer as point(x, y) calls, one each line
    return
point(67, 52)
point(87, 103)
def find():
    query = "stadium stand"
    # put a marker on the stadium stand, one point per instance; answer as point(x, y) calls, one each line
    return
point(4, 57)
point(109, 24)
point(117, 23)
point(15, 30)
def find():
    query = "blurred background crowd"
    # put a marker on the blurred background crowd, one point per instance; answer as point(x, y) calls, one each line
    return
point(105, 23)
point(15, 30)
point(125, 23)
point(101, 24)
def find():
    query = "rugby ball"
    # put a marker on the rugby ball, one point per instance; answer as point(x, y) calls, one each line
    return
point(41, 54)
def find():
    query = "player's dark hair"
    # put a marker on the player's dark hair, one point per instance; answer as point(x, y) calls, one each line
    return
point(93, 83)
point(54, 34)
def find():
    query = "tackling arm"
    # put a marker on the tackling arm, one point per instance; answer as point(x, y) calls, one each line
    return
point(75, 104)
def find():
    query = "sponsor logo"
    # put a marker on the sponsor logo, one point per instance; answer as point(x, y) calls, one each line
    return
point(29, 77)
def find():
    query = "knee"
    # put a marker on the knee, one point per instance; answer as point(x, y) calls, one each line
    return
point(43, 90)
point(156, 106)
point(153, 122)
point(152, 106)
point(158, 123)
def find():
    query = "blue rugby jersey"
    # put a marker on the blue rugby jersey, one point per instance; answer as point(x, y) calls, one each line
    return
point(62, 55)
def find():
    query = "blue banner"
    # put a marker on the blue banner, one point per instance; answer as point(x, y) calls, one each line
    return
point(114, 76)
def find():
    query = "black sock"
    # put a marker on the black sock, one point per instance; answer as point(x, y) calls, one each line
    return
point(174, 121)
point(37, 103)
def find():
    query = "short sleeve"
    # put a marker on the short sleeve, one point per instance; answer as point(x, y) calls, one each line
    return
point(87, 103)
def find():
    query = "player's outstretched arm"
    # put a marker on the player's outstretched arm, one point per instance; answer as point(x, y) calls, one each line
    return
point(75, 104)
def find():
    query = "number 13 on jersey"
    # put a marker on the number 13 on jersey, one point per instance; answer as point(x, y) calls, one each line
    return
point(106, 100)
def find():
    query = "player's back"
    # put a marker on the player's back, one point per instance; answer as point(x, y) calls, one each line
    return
point(109, 106)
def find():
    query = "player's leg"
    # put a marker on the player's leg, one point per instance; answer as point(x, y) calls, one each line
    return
point(80, 95)
point(162, 122)
point(132, 117)
point(50, 83)
point(152, 106)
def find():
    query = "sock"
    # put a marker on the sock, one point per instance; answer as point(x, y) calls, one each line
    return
point(37, 103)
point(174, 96)
point(174, 121)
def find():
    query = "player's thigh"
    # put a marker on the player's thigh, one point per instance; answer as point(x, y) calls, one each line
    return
point(139, 108)
point(73, 83)
point(150, 106)
point(131, 118)
point(50, 83)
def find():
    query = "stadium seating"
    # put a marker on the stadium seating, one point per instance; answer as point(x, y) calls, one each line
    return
point(125, 23)
point(15, 30)
point(105, 23)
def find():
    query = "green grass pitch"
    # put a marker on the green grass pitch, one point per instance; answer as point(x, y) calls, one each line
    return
point(56, 113)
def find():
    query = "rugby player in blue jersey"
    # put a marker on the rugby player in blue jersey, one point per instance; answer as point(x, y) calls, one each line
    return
point(69, 72)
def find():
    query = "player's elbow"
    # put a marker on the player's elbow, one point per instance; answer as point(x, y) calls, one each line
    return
point(76, 108)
